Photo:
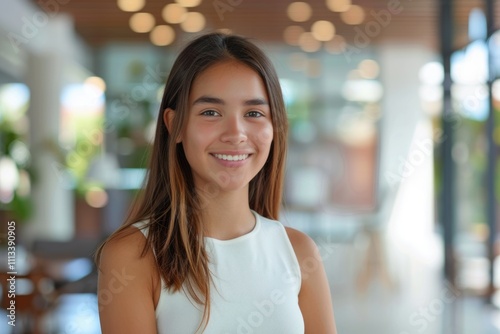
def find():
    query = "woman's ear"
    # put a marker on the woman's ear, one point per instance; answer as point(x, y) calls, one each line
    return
point(168, 118)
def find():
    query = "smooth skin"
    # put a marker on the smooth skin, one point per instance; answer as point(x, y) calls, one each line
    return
point(229, 113)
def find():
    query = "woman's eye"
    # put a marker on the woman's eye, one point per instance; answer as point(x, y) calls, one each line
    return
point(255, 114)
point(210, 113)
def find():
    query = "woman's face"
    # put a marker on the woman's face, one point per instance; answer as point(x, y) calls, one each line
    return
point(229, 129)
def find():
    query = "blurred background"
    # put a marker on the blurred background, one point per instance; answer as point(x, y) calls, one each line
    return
point(394, 110)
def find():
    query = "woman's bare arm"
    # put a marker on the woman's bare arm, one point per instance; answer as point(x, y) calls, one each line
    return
point(314, 298)
point(126, 286)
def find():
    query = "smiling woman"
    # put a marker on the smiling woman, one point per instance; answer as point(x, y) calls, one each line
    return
point(229, 128)
point(212, 256)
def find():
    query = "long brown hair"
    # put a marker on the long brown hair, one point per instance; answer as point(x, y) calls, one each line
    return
point(169, 202)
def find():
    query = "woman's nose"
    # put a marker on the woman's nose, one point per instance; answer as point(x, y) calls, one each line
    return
point(234, 130)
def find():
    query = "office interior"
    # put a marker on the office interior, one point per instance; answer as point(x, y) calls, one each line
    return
point(394, 145)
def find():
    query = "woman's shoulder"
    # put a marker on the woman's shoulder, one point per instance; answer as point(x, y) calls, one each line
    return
point(303, 245)
point(128, 250)
point(127, 247)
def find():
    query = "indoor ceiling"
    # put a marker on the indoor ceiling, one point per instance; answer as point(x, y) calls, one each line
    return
point(101, 21)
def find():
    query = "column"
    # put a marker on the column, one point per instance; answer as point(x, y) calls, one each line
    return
point(53, 217)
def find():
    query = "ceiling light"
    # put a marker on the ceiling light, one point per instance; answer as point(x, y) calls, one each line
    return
point(188, 3)
point(323, 30)
point(142, 22)
point(131, 5)
point(338, 5)
point(174, 13)
point(308, 43)
point(299, 11)
point(291, 35)
point(162, 35)
point(354, 15)
point(194, 22)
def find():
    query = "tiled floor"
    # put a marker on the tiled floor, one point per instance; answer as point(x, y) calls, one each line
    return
point(416, 301)
point(412, 299)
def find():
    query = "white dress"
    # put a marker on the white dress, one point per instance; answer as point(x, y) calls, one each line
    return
point(257, 281)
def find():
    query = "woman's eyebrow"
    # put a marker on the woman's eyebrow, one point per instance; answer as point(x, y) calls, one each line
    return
point(255, 102)
point(216, 100)
point(208, 99)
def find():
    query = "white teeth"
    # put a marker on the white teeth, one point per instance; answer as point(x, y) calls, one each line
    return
point(231, 157)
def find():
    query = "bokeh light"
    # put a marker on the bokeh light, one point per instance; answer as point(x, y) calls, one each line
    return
point(291, 35)
point(142, 22)
point(308, 43)
point(174, 13)
point(353, 16)
point(131, 5)
point(323, 30)
point(189, 3)
point(299, 11)
point(368, 69)
point(96, 197)
point(338, 5)
point(194, 22)
point(162, 35)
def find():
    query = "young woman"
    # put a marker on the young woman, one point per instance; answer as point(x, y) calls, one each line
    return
point(202, 251)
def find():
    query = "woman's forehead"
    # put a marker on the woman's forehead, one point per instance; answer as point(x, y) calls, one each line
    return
point(229, 80)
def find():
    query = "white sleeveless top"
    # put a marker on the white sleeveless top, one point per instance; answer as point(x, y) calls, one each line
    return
point(257, 281)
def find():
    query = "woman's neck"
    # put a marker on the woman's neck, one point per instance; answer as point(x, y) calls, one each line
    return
point(227, 215)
